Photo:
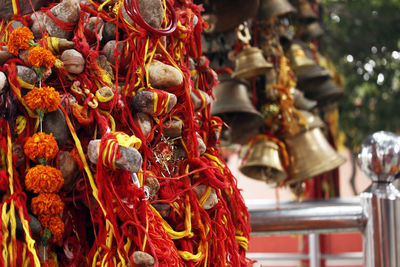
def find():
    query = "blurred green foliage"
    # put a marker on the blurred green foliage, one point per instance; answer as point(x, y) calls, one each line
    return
point(363, 40)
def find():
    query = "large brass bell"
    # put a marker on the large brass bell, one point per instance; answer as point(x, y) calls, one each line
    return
point(274, 8)
point(263, 162)
point(249, 62)
point(310, 154)
point(234, 107)
point(223, 15)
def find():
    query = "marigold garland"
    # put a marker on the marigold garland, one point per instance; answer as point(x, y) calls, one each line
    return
point(54, 223)
point(44, 179)
point(41, 57)
point(43, 98)
point(19, 39)
point(41, 145)
point(47, 203)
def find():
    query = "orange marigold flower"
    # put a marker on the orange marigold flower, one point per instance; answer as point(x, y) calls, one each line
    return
point(56, 226)
point(48, 263)
point(39, 56)
point(47, 203)
point(19, 39)
point(43, 98)
point(44, 179)
point(41, 145)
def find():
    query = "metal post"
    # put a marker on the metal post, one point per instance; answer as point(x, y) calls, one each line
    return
point(314, 250)
point(381, 236)
point(379, 158)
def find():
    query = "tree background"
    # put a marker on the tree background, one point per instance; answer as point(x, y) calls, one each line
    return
point(363, 40)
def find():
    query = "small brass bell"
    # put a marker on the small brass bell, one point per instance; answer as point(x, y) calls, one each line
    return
point(263, 162)
point(300, 101)
point(274, 8)
point(311, 31)
point(249, 62)
point(305, 12)
point(223, 15)
point(310, 154)
point(324, 92)
point(234, 107)
point(300, 62)
point(312, 78)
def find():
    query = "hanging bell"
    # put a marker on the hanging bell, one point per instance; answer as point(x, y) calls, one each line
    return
point(305, 12)
point(312, 78)
point(223, 15)
point(324, 92)
point(234, 107)
point(300, 61)
point(300, 101)
point(250, 63)
point(311, 31)
point(263, 162)
point(310, 155)
point(274, 8)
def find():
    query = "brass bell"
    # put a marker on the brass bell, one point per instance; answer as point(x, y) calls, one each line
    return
point(326, 91)
point(312, 78)
point(311, 31)
point(263, 162)
point(249, 63)
point(305, 12)
point(234, 107)
point(274, 8)
point(310, 155)
point(300, 101)
point(223, 15)
point(301, 62)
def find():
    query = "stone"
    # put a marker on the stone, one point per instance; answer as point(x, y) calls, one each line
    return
point(91, 30)
point(6, 11)
point(212, 199)
point(145, 123)
point(26, 74)
point(3, 82)
point(130, 159)
point(67, 11)
point(143, 259)
point(179, 154)
point(108, 51)
point(69, 169)
point(4, 56)
point(38, 24)
point(106, 93)
point(18, 152)
point(54, 122)
point(73, 61)
point(34, 225)
point(197, 101)
point(172, 128)
point(144, 101)
point(202, 146)
point(109, 32)
point(162, 208)
point(162, 75)
point(153, 186)
point(23, 55)
point(151, 11)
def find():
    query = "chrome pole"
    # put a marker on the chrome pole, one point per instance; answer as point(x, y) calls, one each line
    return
point(379, 158)
point(314, 250)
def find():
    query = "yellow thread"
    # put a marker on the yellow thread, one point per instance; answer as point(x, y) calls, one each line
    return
point(125, 140)
point(104, 99)
point(111, 118)
point(205, 196)
point(20, 124)
point(5, 218)
point(24, 84)
point(243, 242)
point(15, 6)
